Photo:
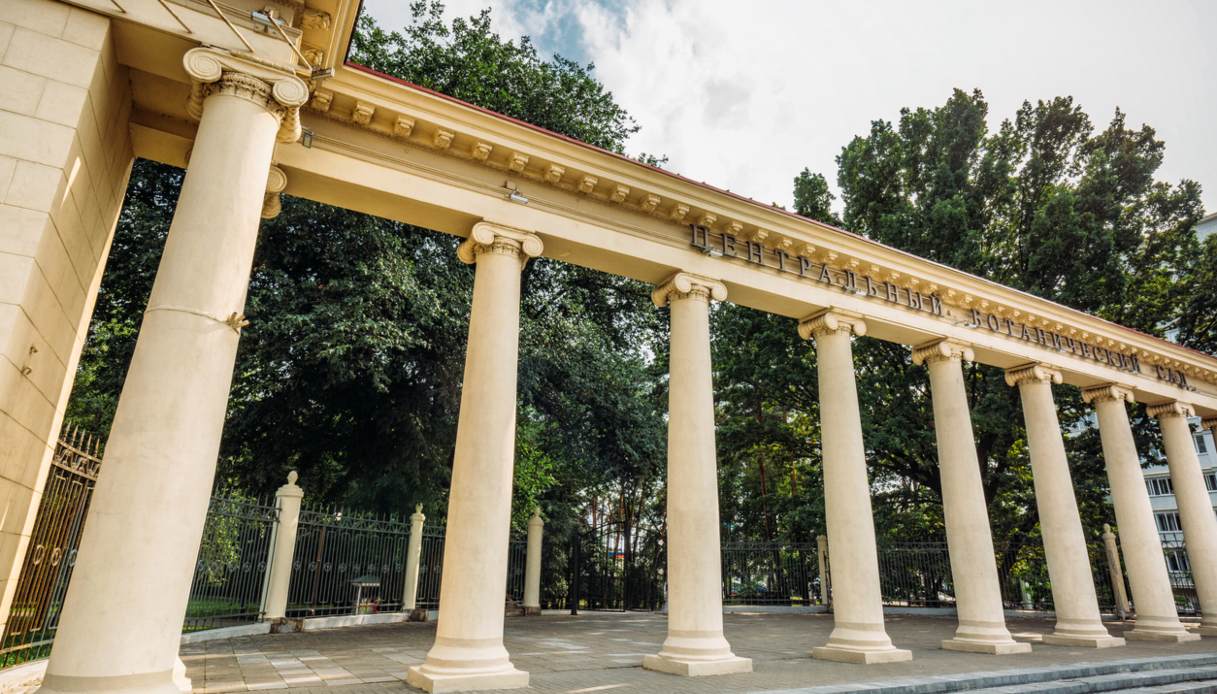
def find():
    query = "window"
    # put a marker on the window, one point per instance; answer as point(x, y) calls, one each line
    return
point(1168, 522)
point(1201, 445)
point(1159, 486)
point(1210, 481)
point(1176, 560)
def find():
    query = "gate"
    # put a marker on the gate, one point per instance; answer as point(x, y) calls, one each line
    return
point(770, 573)
point(231, 569)
point(616, 567)
point(347, 563)
point(52, 550)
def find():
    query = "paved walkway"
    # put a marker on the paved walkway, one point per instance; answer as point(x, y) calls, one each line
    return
point(601, 652)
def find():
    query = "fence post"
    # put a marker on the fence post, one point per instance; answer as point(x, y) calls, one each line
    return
point(822, 554)
point(532, 564)
point(1115, 572)
point(414, 552)
point(283, 549)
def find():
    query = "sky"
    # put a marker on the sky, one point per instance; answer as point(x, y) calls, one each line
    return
point(744, 95)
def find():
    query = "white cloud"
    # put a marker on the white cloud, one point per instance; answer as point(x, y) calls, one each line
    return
point(744, 95)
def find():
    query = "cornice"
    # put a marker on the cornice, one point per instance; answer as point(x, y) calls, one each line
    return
point(941, 350)
point(829, 321)
point(1108, 391)
point(1032, 373)
point(416, 117)
point(1170, 409)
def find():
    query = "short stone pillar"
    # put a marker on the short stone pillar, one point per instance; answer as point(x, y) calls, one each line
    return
point(283, 549)
point(1195, 506)
point(978, 601)
point(1157, 616)
point(468, 652)
point(532, 564)
point(825, 583)
point(858, 634)
point(414, 553)
point(122, 616)
point(695, 644)
point(1115, 573)
point(1078, 622)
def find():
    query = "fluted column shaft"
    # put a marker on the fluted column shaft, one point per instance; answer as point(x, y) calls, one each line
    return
point(532, 564)
point(1157, 617)
point(1195, 507)
point(982, 621)
point(858, 635)
point(1078, 622)
point(695, 644)
point(122, 616)
point(468, 652)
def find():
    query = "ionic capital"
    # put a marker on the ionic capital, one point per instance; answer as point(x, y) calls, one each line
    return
point(829, 321)
point(493, 238)
point(1173, 408)
point(1032, 373)
point(1108, 391)
point(1209, 423)
point(941, 350)
point(276, 181)
point(215, 71)
point(684, 285)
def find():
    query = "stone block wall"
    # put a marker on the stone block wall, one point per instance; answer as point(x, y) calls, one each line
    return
point(65, 156)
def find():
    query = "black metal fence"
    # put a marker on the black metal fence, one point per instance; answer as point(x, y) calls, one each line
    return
point(770, 573)
point(1180, 571)
point(231, 570)
point(613, 566)
point(347, 563)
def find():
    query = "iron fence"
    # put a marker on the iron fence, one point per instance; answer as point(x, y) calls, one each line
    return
point(231, 570)
point(347, 563)
point(51, 554)
point(1180, 571)
point(916, 574)
point(770, 573)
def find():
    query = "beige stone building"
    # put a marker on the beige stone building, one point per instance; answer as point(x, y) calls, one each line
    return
point(253, 103)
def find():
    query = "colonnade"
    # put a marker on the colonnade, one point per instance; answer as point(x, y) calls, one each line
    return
point(123, 611)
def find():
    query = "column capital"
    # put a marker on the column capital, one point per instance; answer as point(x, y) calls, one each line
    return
point(275, 88)
point(276, 182)
point(1174, 408)
point(685, 285)
point(942, 349)
point(1108, 391)
point(487, 237)
point(1032, 373)
point(1209, 423)
point(831, 320)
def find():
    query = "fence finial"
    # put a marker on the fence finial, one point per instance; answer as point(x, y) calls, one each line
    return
point(292, 477)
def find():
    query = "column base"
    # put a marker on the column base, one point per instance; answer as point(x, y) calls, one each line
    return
point(990, 647)
point(170, 682)
point(1184, 636)
point(429, 680)
point(861, 656)
point(697, 668)
point(1083, 641)
point(530, 611)
point(418, 614)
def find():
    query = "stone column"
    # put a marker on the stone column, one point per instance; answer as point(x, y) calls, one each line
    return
point(1078, 622)
point(1115, 573)
point(1195, 507)
point(468, 652)
point(122, 616)
point(1157, 618)
point(695, 643)
point(982, 619)
point(414, 552)
point(858, 635)
point(279, 579)
point(532, 564)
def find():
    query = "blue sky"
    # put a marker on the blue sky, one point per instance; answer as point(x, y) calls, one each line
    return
point(744, 95)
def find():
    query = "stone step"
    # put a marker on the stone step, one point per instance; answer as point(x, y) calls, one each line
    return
point(1203, 686)
point(1174, 669)
point(1147, 680)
